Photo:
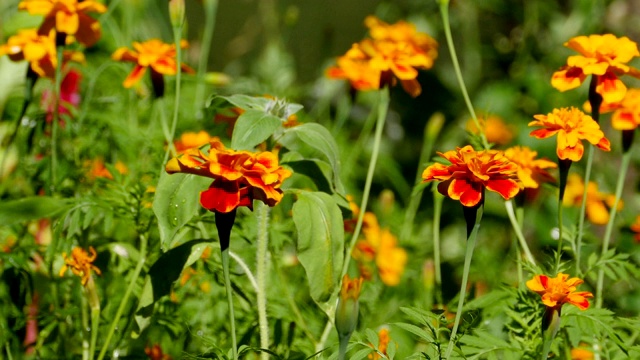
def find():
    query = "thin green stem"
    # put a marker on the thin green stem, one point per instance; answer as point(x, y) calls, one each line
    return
point(54, 123)
point(261, 274)
point(626, 159)
point(177, 36)
point(232, 318)
point(520, 219)
point(516, 228)
point(349, 164)
point(342, 352)
point(583, 208)
point(560, 235)
point(444, 11)
point(210, 11)
point(437, 213)
point(471, 243)
point(127, 294)
point(85, 324)
point(7, 347)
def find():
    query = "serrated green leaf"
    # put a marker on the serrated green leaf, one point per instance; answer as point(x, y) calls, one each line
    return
point(420, 332)
point(361, 354)
point(320, 243)
point(31, 208)
point(252, 128)
point(176, 202)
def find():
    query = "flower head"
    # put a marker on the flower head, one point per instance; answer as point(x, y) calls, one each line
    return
point(190, 140)
point(67, 16)
point(531, 171)
point(155, 353)
point(572, 126)
point(97, 169)
point(153, 54)
point(626, 113)
point(598, 204)
point(581, 354)
point(81, 263)
point(383, 343)
point(471, 172)
point(604, 56)
point(239, 176)
point(494, 128)
point(559, 290)
point(635, 227)
point(347, 311)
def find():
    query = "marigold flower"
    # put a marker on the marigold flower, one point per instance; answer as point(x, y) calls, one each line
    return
point(494, 129)
point(635, 227)
point(189, 140)
point(383, 343)
point(604, 56)
point(97, 169)
point(531, 171)
point(380, 246)
point(626, 113)
point(67, 16)
point(471, 172)
point(581, 354)
point(155, 353)
point(559, 290)
point(154, 54)
point(572, 126)
point(80, 263)
point(347, 310)
point(239, 176)
point(598, 204)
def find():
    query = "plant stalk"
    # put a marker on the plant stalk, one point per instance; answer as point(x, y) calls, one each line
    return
point(227, 285)
point(516, 228)
point(210, 11)
point(261, 276)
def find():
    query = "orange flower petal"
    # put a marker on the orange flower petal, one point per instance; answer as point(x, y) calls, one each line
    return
point(134, 76)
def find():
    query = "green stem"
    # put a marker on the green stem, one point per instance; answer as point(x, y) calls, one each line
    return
point(560, 235)
point(350, 162)
point(127, 294)
point(626, 158)
point(94, 304)
point(227, 284)
point(54, 123)
point(7, 347)
point(210, 10)
point(444, 11)
point(471, 243)
point(437, 213)
point(261, 274)
point(583, 208)
point(516, 227)
point(342, 352)
point(85, 325)
point(520, 219)
point(177, 36)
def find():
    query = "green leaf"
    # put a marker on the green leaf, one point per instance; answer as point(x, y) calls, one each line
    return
point(320, 242)
point(246, 102)
point(252, 128)
point(318, 171)
point(176, 202)
point(161, 276)
point(319, 138)
point(421, 333)
point(31, 208)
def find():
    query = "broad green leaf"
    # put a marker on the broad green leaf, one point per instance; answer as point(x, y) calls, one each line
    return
point(161, 276)
point(246, 102)
point(176, 202)
point(320, 243)
point(31, 208)
point(318, 171)
point(319, 138)
point(252, 128)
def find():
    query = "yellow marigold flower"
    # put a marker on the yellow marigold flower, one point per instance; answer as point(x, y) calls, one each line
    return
point(560, 290)
point(494, 128)
point(531, 171)
point(471, 172)
point(189, 140)
point(154, 54)
point(80, 263)
point(598, 204)
point(604, 56)
point(384, 339)
point(581, 354)
point(571, 125)
point(635, 227)
point(67, 16)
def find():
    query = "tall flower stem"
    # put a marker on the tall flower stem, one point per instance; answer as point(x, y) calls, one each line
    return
point(437, 213)
point(210, 11)
point(563, 169)
point(224, 224)
point(177, 36)
point(626, 158)
point(54, 123)
point(516, 227)
point(444, 11)
point(127, 294)
point(261, 275)
point(473, 217)
point(94, 305)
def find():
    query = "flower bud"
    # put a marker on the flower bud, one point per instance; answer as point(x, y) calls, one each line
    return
point(347, 311)
point(176, 12)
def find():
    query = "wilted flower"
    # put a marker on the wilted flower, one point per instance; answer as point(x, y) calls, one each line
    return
point(471, 172)
point(598, 204)
point(67, 16)
point(604, 56)
point(239, 176)
point(494, 129)
point(559, 290)
point(153, 54)
point(572, 126)
point(80, 263)
point(531, 171)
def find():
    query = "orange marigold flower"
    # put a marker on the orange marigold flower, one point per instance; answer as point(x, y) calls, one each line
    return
point(67, 16)
point(38, 50)
point(605, 56)
point(384, 339)
point(355, 66)
point(155, 353)
point(190, 140)
point(380, 245)
point(626, 113)
point(239, 176)
point(560, 290)
point(598, 204)
point(572, 126)
point(97, 169)
point(635, 227)
point(471, 172)
point(531, 171)
point(81, 263)
point(494, 128)
point(154, 54)
point(581, 354)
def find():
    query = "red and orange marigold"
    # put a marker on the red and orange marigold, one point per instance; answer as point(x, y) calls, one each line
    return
point(531, 171)
point(471, 172)
point(572, 126)
point(605, 56)
point(560, 290)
